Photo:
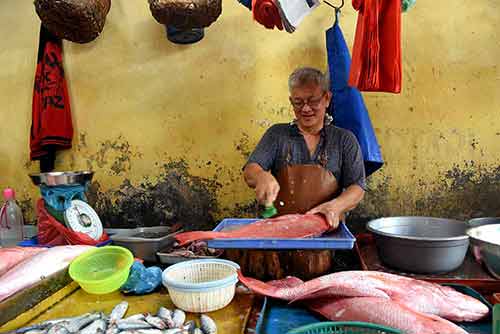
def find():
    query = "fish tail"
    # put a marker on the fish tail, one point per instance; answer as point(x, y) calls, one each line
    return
point(188, 237)
point(259, 286)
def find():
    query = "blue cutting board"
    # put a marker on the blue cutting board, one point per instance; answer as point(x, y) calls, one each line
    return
point(341, 238)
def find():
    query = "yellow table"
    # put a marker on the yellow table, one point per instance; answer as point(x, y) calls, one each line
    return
point(72, 301)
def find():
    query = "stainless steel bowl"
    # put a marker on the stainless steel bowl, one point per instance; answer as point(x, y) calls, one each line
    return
point(61, 178)
point(487, 239)
point(483, 221)
point(476, 252)
point(145, 242)
point(420, 244)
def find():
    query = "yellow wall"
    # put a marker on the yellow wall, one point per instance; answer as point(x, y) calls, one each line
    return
point(140, 102)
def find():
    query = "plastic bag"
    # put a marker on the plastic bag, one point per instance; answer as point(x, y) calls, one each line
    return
point(142, 280)
point(53, 233)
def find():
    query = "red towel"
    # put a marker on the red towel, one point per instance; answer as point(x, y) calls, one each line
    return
point(266, 13)
point(376, 54)
point(51, 127)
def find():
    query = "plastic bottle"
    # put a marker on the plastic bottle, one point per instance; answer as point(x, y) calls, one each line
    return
point(11, 220)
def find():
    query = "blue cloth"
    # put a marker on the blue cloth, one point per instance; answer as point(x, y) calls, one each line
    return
point(60, 197)
point(142, 280)
point(348, 108)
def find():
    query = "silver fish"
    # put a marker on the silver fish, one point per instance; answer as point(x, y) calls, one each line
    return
point(113, 329)
point(178, 317)
point(76, 324)
point(59, 320)
point(197, 331)
point(134, 324)
point(166, 315)
point(156, 322)
point(36, 331)
point(97, 326)
point(163, 312)
point(174, 331)
point(138, 316)
point(48, 323)
point(58, 329)
point(189, 326)
point(118, 312)
point(142, 331)
point(208, 326)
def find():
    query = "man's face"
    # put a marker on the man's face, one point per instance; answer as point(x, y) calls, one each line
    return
point(309, 104)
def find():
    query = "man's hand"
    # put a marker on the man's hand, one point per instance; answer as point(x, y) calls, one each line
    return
point(267, 188)
point(330, 211)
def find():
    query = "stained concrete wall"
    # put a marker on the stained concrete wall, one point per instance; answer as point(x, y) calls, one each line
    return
point(166, 128)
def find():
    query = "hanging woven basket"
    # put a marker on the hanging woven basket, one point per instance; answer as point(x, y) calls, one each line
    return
point(79, 21)
point(186, 14)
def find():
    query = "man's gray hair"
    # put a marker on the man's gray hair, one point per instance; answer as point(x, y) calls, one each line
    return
point(307, 75)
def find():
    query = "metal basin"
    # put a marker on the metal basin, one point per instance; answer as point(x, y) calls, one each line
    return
point(483, 221)
point(487, 239)
point(62, 178)
point(420, 244)
point(144, 242)
point(476, 252)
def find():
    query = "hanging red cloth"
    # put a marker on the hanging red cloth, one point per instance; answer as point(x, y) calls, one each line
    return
point(51, 127)
point(266, 13)
point(376, 54)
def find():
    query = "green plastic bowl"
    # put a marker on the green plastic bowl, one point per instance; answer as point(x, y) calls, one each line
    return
point(102, 270)
point(344, 327)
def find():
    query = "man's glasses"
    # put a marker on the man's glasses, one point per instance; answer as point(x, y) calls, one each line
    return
point(314, 103)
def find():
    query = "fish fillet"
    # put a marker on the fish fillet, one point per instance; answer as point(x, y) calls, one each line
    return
point(11, 256)
point(37, 267)
point(287, 226)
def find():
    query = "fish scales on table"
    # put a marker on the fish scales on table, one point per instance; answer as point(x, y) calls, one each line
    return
point(286, 226)
point(37, 267)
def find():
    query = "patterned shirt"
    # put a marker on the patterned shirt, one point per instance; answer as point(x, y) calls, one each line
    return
point(339, 147)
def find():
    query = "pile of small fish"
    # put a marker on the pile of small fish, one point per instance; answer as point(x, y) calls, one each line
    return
point(164, 322)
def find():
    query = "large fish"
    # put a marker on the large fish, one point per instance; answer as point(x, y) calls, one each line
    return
point(9, 257)
point(375, 310)
point(383, 312)
point(418, 295)
point(36, 268)
point(287, 226)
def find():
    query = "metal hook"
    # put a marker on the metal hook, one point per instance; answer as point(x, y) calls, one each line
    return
point(337, 9)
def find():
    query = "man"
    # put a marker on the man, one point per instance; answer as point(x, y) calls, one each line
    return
point(308, 166)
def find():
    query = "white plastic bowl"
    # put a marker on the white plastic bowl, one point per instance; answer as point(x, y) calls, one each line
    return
point(201, 286)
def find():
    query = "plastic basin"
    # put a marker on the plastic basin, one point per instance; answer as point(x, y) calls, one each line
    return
point(201, 285)
point(102, 270)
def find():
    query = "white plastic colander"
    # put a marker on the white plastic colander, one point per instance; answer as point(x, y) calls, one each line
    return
point(201, 285)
